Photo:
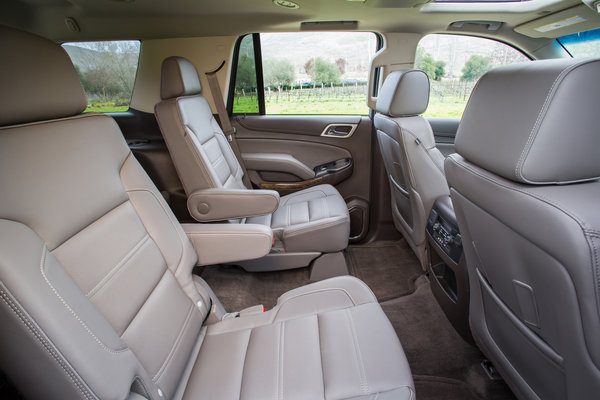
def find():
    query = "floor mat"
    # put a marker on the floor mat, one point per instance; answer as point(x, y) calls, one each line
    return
point(238, 289)
point(437, 388)
point(434, 349)
point(388, 268)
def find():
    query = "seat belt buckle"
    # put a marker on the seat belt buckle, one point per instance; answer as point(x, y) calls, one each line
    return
point(252, 310)
point(230, 135)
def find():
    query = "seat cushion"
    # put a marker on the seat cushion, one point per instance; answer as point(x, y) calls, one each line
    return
point(327, 340)
point(313, 219)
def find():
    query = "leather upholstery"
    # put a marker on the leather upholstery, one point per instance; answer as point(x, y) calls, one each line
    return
point(223, 204)
point(414, 165)
point(225, 243)
point(181, 79)
point(56, 95)
point(404, 94)
point(98, 300)
point(532, 249)
point(315, 219)
point(319, 341)
point(530, 140)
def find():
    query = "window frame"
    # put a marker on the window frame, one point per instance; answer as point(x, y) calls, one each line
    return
point(258, 64)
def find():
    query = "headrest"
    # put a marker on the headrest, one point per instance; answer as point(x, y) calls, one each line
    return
point(404, 93)
point(37, 80)
point(535, 122)
point(178, 78)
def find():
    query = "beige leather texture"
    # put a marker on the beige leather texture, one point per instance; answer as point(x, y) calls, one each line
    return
point(414, 165)
point(224, 243)
point(98, 300)
point(223, 204)
point(312, 220)
point(46, 90)
point(529, 140)
point(181, 78)
point(404, 93)
point(320, 341)
point(531, 249)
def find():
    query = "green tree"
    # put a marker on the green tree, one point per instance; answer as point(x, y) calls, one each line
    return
point(278, 72)
point(436, 70)
point(322, 71)
point(475, 67)
point(246, 73)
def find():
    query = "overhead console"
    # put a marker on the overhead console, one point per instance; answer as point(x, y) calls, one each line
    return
point(572, 20)
point(449, 279)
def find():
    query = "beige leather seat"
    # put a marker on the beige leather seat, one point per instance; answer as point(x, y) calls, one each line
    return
point(312, 220)
point(526, 192)
point(98, 300)
point(415, 167)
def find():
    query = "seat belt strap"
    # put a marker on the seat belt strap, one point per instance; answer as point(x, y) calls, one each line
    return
point(228, 130)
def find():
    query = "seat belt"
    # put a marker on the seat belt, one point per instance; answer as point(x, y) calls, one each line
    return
point(228, 130)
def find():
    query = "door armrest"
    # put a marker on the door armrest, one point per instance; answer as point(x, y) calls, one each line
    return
point(208, 205)
point(224, 243)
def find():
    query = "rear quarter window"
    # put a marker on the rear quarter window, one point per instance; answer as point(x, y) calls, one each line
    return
point(107, 71)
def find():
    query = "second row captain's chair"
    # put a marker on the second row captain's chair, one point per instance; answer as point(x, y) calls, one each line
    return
point(314, 220)
point(415, 167)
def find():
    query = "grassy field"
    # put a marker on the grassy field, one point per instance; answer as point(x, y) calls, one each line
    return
point(107, 109)
point(450, 107)
point(353, 105)
point(349, 105)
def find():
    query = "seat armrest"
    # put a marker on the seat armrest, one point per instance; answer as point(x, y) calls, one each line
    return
point(222, 204)
point(224, 243)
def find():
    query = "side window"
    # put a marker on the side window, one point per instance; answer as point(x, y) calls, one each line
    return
point(107, 71)
point(454, 63)
point(245, 99)
point(306, 73)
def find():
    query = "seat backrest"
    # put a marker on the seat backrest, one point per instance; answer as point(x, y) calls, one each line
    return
point(414, 165)
point(97, 294)
point(199, 149)
point(525, 189)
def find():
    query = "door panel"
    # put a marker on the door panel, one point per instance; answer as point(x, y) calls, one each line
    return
point(344, 161)
point(444, 130)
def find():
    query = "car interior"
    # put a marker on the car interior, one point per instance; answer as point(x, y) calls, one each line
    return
point(299, 199)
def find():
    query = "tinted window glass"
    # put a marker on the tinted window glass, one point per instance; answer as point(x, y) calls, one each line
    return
point(454, 63)
point(107, 71)
point(245, 96)
point(582, 44)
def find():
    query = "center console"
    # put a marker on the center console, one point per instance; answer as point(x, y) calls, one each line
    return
point(448, 271)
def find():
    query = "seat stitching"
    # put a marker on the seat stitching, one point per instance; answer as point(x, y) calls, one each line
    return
point(281, 352)
point(321, 354)
point(46, 344)
point(73, 313)
point(108, 277)
point(195, 153)
point(541, 198)
point(90, 225)
point(535, 129)
point(299, 231)
point(185, 324)
point(181, 242)
point(364, 384)
point(244, 361)
point(313, 292)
